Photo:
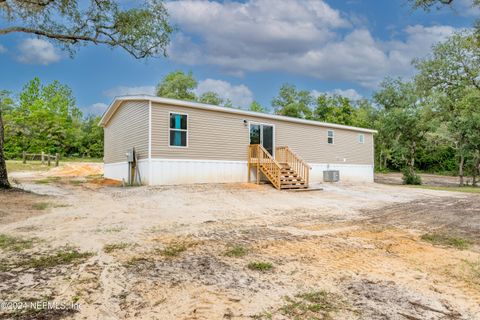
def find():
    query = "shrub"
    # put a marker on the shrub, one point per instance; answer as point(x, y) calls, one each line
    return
point(14, 243)
point(447, 240)
point(175, 248)
point(236, 251)
point(109, 248)
point(411, 177)
point(260, 266)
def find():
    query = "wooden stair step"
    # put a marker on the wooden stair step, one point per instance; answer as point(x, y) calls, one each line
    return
point(292, 187)
point(293, 184)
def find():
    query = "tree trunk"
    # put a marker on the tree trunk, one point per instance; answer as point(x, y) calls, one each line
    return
point(476, 170)
point(4, 184)
point(380, 160)
point(460, 169)
point(413, 150)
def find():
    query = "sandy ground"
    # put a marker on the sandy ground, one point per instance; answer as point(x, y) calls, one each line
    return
point(357, 245)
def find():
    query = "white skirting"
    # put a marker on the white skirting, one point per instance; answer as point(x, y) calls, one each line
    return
point(175, 171)
point(119, 170)
point(348, 172)
point(185, 171)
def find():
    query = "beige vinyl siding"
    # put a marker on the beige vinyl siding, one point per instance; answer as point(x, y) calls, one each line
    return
point(216, 135)
point(127, 128)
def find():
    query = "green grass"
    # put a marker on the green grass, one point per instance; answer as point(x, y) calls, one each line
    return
point(452, 189)
point(13, 165)
point(65, 256)
point(136, 261)
point(474, 271)
point(174, 249)
point(260, 266)
point(311, 305)
point(40, 205)
point(14, 243)
point(236, 251)
point(17, 165)
point(109, 248)
point(73, 159)
point(4, 267)
point(475, 268)
point(62, 257)
point(446, 240)
point(76, 182)
point(47, 180)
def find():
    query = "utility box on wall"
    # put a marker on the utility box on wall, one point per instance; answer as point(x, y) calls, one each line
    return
point(130, 155)
point(331, 175)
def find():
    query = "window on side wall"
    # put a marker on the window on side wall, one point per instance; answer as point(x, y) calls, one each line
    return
point(361, 138)
point(178, 130)
point(330, 136)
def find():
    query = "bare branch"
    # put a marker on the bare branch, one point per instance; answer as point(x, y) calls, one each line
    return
point(142, 31)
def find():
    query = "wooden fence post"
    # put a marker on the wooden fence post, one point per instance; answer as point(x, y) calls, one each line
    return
point(43, 158)
point(48, 159)
point(57, 157)
point(24, 157)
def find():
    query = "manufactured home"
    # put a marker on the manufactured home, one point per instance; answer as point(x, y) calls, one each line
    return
point(182, 142)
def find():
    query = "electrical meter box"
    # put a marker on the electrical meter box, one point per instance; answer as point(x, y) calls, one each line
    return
point(130, 155)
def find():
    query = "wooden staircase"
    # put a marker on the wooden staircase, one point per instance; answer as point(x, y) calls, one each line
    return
point(286, 171)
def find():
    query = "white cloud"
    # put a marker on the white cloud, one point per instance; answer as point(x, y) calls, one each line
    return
point(418, 43)
point(240, 95)
point(96, 108)
point(351, 94)
point(300, 36)
point(2, 49)
point(37, 51)
point(125, 91)
point(467, 8)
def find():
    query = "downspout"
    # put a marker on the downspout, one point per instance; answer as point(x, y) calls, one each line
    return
point(150, 142)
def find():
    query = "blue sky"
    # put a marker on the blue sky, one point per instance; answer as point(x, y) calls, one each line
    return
point(245, 50)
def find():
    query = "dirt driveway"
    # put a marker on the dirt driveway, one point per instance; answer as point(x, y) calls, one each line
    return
point(238, 251)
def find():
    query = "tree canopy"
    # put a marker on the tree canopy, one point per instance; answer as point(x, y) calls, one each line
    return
point(182, 86)
point(256, 107)
point(427, 4)
point(451, 76)
point(142, 30)
point(291, 102)
point(46, 118)
point(177, 85)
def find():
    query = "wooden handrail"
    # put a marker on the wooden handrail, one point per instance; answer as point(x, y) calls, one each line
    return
point(285, 155)
point(257, 155)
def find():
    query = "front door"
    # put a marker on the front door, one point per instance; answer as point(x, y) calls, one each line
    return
point(262, 134)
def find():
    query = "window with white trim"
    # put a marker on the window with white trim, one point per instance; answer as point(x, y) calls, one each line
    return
point(330, 136)
point(178, 130)
point(361, 138)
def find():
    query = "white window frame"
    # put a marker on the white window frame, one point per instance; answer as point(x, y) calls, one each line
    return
point(361, 138)
point(333, 136)
point(170, 129)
